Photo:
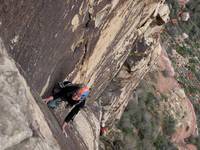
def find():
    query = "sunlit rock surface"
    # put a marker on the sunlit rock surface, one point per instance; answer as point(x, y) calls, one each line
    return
point(144, 54)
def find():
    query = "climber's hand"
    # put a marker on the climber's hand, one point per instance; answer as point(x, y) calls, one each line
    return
point(46, 100)
point(63, 128)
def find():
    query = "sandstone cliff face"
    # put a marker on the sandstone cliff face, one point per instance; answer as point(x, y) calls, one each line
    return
point(83, 41)
point(22, 124)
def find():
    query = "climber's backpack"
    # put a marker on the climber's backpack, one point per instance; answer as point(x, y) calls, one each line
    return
point(60, 85)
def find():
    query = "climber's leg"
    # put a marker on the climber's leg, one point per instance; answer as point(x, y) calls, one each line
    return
point(54, 103)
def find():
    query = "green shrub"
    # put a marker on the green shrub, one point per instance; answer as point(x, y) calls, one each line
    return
point(168, 125)
point(163, 143)
point(183, 50)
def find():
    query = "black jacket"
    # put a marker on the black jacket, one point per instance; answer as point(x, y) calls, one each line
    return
point(66, 94)
point(75, 111)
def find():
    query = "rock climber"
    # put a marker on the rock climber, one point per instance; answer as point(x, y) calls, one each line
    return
point(74, 94)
